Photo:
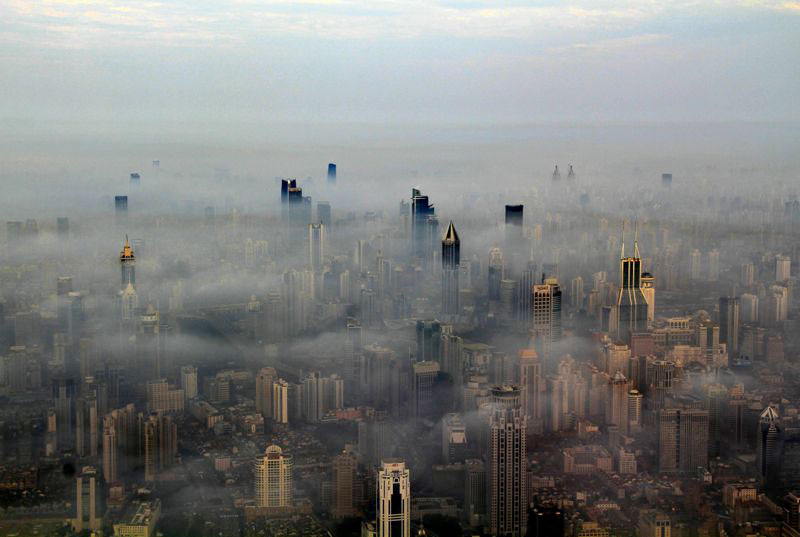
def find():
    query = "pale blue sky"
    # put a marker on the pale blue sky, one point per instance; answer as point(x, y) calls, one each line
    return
point(400, 61)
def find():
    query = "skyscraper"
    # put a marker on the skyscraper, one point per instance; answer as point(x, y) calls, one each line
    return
point(513, 229)
point(394, 499)
point(344, 474)
point(682, 440)
point(451, 259)
point(88, 508)
point(272, 474)
point(421, 213)
point(729, 323)
point(121, 209)
point(631, 303)
point(494, 273)
point(507, 463)
point(768, 447)
point(423, 378)
point(264, 380)
point(533, 388)
point(332, 173)
point(316, 247)
point(189, 381)
point(546, 316)
point(128, 298)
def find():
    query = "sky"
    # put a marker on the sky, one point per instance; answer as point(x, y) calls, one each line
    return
point(398, 62)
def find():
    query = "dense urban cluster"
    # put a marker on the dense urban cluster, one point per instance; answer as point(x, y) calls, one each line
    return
point(553, 360)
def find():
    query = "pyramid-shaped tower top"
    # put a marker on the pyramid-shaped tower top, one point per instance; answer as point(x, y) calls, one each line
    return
point(770, 414)
point(450, 236)
point(127, 251)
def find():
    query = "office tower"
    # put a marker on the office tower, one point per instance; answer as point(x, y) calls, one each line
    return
point(729, 323)
point(121, 209)
point(507, 463)
point(344, 474)
point(324, 214)
point(631, 303)
point(421, 211)
point(264, 391)
point(494, 273)
point(62, 228)
point(508, 298)
point(272, 474)
point(682, 440)
point(526, 281)
point(513, 229)
point(617, 357)
point(159, 444)
point(533, 388)
point(659, 382)
point(15, 365)
point(769, 442)
point(353, 351)
point(666, 181)
point(88, 506)
point(64, 394)
point(695, 265)
point(454, 439)
point(747, 274)
point(189, 381)
point(546, 316)
point(654, 523)
point(429, 340)
point(713, 265)
point(474, 490)
point(149, 343)
point(286, 184)
point(749, 308)
point(394, 499)
point(316, 247)
point(451, 259)
point(617, 402)
point(783, 268)
point(111, 463)
point(423, 378)
point(576, 293)
point(128, 297)
point(135, 178)
point(280, 401)
point(332, 173)
point(635, 419)
point(368, 307)
point(86, 426)
point(452, 357)
point(648, 286)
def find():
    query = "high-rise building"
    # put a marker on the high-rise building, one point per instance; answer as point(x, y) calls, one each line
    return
point(128, 297)
point(533, 388)
point(344, 476)
point(324, 214)
point(121, 209)
point(88, 506)
point(747, 274)
point(513, 229)
point(649, 291)
point(424, 376)
point(729, 323)
point(654, 523)
point(631, 302)
point(546, 316)
point(749, 308)
point(783, 268)
point(394, 499)
point(682, 440)
point(280, 401)
point(617, 402)
point(768, 447)
point(316, 247)
point(494, 273)
point(332, 173)
point(695, 265)
point(713, 265)
point(451, 259)
point(264, 380)
point(507, 463)
point(189, 381)
point(474, 490)
point(421, 213)
point(272, 474)
point(159, 444)
point(454, 439)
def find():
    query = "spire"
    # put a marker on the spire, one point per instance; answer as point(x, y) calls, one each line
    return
point(450, 235)
point(127, 251)
point(636, 239)
point(622, 251)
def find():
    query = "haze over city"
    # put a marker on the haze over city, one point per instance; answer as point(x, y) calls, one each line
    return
point(355, 269)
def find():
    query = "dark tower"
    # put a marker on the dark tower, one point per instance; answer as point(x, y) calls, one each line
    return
point(421, 211)
point(631, 303)
point(451, 258)
point(332, 173)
